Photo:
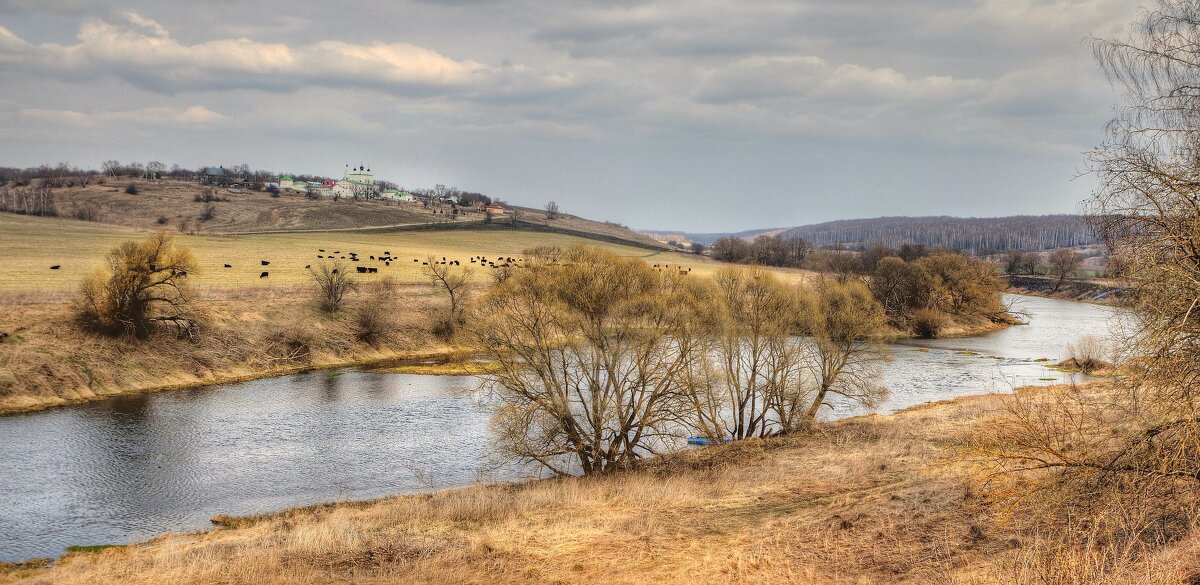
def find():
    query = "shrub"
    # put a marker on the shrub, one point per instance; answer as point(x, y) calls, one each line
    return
point(131, 189)
point(162, 220)
point(927, 323)
point(371, 324)
point(291, 344)
point(145, 284)
point(333, 282)
point(87, 212)
point(209, 212)
point(1088, 354)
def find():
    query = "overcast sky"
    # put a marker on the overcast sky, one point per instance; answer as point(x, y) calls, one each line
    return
point(704, 115)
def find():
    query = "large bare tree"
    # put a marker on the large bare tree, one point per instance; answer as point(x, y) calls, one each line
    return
point(588, 353)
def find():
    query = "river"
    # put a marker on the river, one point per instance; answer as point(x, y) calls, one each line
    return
point(131, 468)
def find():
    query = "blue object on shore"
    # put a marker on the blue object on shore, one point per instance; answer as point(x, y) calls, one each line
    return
point(705, 441)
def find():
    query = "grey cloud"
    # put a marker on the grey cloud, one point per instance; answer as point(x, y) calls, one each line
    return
point(708, 114)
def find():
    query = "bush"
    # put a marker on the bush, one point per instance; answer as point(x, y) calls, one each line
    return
point(131, 189)
point(162, 220)
point(87, 212)
point(1088, 354)
point(927, 323)
point(372, 323)
point(333, 282)
point(291, 344)
point(145, 284)
point(210, 211)
point(273, 190)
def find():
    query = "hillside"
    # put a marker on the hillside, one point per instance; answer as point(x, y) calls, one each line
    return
point(972, 234)
point(173, 204)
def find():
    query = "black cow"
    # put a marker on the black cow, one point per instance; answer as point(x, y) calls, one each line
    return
point(228, 266)
point(56, 267)
point(263, 275)
point(266, 263)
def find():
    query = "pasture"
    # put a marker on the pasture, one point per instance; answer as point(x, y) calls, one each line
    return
point(29, 246)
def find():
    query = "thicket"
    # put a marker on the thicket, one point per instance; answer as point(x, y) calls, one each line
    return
point(601, 360)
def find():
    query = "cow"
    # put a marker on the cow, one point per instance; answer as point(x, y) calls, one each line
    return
point(263, 275)
point(266, 263)
point(228, 266)
point(56, 267)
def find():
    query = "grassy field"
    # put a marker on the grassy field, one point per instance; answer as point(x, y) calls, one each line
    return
point(873, 500)
point(29, 246)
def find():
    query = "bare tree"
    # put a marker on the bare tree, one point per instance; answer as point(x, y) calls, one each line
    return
point(144, 284)
point(1125, 461)
point(588, 358)
point(1064, 263)
point(154, 170)
point(849, 324)
point(748, 381)
point(455, 281)
point(111, 167)
point(333, 283)
point(552, 210)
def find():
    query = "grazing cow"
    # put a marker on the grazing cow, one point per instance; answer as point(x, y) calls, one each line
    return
point(373, 270)
point(387, 263)
point(424, 264)
point(263, 275)
point(361, 269)
point(307, 266)
point(265, 263)
point(319, 256)
point(415, 260)
point(56, 267)
point(228, 266)
point(321, 250)
point(372, 257)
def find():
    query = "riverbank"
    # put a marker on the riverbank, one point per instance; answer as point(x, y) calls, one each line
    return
point(874, 499)
point(46, 361)
point(1100, 291)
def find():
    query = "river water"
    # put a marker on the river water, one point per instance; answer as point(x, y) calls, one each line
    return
point(128, 469)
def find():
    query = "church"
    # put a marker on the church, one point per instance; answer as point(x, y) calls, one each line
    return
point(357, 182)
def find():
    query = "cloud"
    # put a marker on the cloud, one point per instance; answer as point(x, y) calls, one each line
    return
point(155, 116)
point(143, 52)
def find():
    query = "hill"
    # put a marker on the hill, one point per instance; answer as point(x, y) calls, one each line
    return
point(972, 234)
point(174, 204)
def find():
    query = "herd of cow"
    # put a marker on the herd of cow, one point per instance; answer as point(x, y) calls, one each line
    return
point(387, 258)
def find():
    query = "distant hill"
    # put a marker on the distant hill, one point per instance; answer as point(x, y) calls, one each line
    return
point(175, 204)
point(974, 234)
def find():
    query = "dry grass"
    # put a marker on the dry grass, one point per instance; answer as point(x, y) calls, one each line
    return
point(29, 246)
point(45, 360)
point(871, 500)
point(244, 334)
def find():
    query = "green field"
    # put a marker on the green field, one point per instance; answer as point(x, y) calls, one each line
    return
point(29, 246)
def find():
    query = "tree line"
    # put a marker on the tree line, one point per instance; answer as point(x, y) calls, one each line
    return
point(978, 235)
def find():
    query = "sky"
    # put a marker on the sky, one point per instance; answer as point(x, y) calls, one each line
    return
point(696, 115)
